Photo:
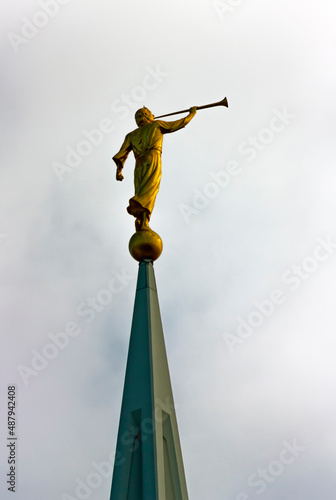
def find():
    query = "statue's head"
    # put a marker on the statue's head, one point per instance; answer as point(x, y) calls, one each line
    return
point(143, 116)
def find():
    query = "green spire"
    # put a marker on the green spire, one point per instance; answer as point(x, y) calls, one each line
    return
point(148, 463)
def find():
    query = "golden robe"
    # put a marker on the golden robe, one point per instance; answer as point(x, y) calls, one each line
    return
point(146, 143)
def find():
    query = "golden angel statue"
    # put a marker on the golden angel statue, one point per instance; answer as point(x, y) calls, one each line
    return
point(146, 144)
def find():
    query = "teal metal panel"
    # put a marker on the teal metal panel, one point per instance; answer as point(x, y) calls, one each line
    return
point(148, 464)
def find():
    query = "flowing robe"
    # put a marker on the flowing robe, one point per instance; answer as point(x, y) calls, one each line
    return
point(146, 143)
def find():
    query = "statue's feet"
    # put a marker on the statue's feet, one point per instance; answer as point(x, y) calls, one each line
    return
point(145, 221)
point(141, 223)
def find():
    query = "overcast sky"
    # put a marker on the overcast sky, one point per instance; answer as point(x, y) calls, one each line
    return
point(246, 212)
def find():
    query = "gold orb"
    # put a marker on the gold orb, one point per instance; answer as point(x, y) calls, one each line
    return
point(145, 244)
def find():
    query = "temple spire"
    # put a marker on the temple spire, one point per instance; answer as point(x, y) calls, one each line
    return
point(148, 463)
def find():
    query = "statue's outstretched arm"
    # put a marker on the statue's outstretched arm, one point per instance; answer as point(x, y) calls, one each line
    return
point(167, 127)
point(192, 113)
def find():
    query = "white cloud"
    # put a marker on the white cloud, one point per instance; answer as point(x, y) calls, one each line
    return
point(64, 239)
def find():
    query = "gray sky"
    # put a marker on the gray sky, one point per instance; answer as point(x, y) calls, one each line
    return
point(246, 212)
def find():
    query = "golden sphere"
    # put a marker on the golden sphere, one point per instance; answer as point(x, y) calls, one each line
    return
point(145, 244)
